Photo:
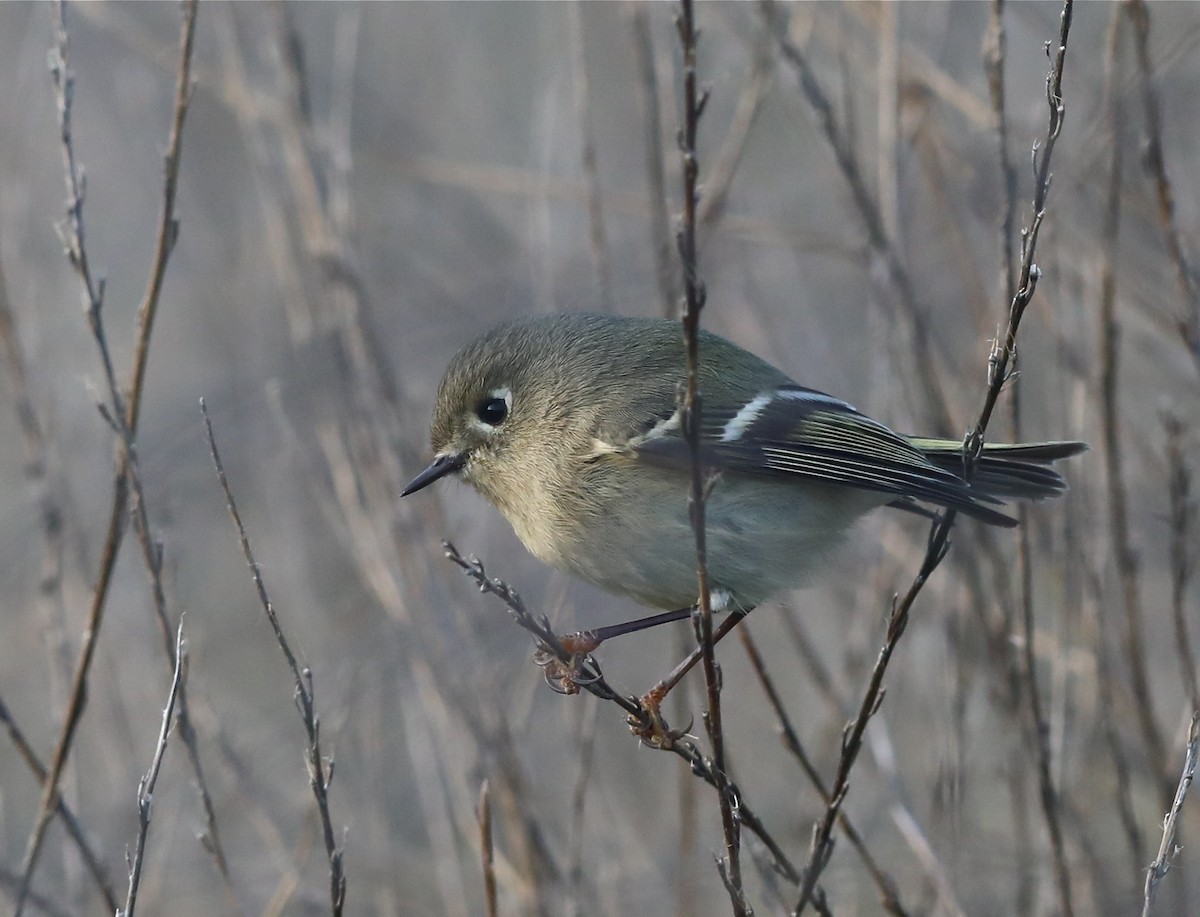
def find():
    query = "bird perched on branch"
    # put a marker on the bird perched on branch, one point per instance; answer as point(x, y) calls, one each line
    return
point(571, 426)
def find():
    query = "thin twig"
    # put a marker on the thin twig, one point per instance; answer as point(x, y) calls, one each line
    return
point(145, 795)
point(889, 893)
point(881, 244)
point(694, 100)
point(575, 860)
point(50, 584)
point(995, 49)
point(1124, 558)
point(69, 819)
point(994, 57)
point(999, 362)
point(757, 83)
point(659, 209)
point(1188, 324)
point(1179, 499)
point(1019, 299)
point(1038, 724)
point(320, 774)
point(485, 848)
point(587, 676)
point(591, 172)
point(1167, 850)
point(92, 291)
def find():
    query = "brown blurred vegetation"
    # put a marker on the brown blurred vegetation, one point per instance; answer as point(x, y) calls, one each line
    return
point(363, 189)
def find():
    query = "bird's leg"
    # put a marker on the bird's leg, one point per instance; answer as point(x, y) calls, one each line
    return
point(586, 641)
point(654, 697)
point(564, 677)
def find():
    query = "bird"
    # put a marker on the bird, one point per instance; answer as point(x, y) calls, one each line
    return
point(572, 426)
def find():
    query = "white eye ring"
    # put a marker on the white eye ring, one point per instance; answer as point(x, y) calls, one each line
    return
point(493, 410)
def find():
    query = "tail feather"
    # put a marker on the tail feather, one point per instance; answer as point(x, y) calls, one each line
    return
point(1007, 471)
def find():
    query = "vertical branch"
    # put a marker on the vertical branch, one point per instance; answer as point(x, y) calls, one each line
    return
point(994, 56)
point(999, 372)
point(1039, 727)
point(993, 59)
point(145, 796)
point(50, 591)
point(694, 295)
point(1179, 494)
point(1125, 560)
point(883, 247)
point(1167, 849)
point(659, 209)
point(1189, 322)
point(591, 172)
point(485, 850)
point(575, 870)
point(1004, 353)
point(711, 207)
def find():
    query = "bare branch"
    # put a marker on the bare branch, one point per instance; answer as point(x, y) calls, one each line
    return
point(145, 795)
point(320, 773)
point(583, 674)
point(92, 290)
point(485, 847)
point(999, 360)
point(692, 410)
point(1166, 848)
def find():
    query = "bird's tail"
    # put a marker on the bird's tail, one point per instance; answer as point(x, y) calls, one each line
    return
point(1006, 471)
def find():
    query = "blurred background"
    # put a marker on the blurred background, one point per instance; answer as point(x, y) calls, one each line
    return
point(363, 189)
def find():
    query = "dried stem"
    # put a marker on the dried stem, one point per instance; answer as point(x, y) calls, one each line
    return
point(92, 290)
point(145, 795)
point(881, 244)
point(1179, 498)
point(999, 362)
point(1189, 322)
point(1125, 560)
point(694, 296)
point(1167, 850)
point(889, 893)
point(50, 590)
point(587, 676)
point(485, 848)
point(69, 819)
point(1038, 727)
point(591, 172)
point(994, 60)
point(659, 209)
point(758, 80)
point(320, 774)
point(575, 865)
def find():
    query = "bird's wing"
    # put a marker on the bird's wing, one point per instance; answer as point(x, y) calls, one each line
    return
point(792, 430)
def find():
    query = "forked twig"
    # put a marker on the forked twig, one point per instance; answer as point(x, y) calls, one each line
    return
point(999, 362)
point(92, 290)
point(590, 678)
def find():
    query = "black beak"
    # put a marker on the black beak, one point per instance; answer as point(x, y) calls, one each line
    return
point(442, 465)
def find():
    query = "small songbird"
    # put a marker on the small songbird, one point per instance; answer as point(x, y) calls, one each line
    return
point(570, 425)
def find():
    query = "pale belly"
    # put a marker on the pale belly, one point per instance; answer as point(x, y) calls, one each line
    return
point(763, 537)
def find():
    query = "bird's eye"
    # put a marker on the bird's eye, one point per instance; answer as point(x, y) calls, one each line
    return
point(492, 411)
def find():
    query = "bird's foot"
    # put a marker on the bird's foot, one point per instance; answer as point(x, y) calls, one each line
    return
point(650, 727)
point(569, 676)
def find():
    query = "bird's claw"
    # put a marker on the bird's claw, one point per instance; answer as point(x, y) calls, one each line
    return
point(650, 727)
point(568, 677)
